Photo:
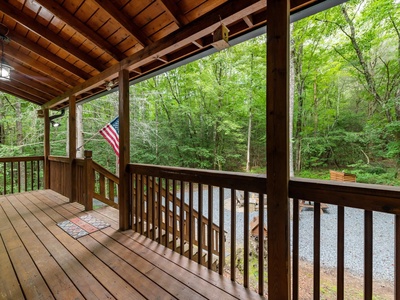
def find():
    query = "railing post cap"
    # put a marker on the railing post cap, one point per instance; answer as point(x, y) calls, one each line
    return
point(88, 153)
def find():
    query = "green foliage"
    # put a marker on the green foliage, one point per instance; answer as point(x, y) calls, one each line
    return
point(346, 104)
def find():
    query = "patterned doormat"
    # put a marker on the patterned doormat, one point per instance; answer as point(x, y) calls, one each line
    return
point(84, 225)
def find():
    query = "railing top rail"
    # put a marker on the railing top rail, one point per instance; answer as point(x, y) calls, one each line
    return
point(239, 181)
point(358, 195)
point(63, 159)
point(105, 172)
point(22, 158)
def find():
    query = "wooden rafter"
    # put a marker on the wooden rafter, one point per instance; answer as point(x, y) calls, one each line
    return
point(61, 13)
point(227, 13)
point(125, 22)
point(173, 11)
point(28, 44)
point(49, 35)
point(23, 58)
point(40, 88)
point(12, 90)
point(37, 77)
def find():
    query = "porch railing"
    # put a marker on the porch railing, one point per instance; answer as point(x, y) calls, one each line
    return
point(341, 197)
point(199, 193)
point(167, 203)
point(19, 174)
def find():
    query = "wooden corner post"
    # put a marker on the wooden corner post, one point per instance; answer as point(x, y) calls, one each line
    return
point(124, 152)
point(278, 149)
point(46, 151)
point(88, 180)
point(72, 147)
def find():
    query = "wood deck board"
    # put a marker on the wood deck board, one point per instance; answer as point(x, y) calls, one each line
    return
point(38, 260)
point(89, 287)
point(201, 279)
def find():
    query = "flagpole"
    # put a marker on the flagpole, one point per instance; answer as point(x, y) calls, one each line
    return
point(77, 149)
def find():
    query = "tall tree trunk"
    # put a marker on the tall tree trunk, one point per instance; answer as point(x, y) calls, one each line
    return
point(248, 165)
point(315, 108)
point(20, 141)
point(297, 56)
point(79, 131)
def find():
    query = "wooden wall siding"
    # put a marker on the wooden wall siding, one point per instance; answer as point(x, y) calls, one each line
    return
point(21, 174)
point(164, 209)
point(60, 175)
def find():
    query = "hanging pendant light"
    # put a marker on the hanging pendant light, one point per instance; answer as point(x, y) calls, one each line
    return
point(5, 68)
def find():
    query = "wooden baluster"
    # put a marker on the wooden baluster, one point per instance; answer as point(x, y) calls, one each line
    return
point(210, 226)
point(200, 224)
point(19, 176)
point(191, 221)
point(153, 208)
point(160, 220)
point(135, 215)
point(111, 187)
point(340, 254)
point(167, 212)
point(142, 204)
point(26, 175)
point(102, 185)
point(221, 236)
point(246, 240)
point(32, 174)
point(368, 265)
point(233, 235)
point(317, 249)
point(261, 239)
point(12, 178)
point(174, 215)
point(148, 207)
point(182, 219)
point(38, 174)
point(296, 232)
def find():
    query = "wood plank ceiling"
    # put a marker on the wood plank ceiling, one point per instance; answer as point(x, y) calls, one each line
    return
point(60, 48)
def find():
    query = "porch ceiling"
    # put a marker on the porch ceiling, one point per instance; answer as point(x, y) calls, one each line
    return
point(61, 48)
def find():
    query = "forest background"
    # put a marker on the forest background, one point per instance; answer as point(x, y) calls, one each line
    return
point(211, 113)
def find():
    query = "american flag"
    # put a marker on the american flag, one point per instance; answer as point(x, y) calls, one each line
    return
point(111, 133)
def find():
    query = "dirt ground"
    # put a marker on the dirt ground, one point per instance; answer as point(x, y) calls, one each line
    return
point(354, 285)
point(353, 289)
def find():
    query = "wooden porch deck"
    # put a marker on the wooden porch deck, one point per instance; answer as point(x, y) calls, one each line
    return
point(38, 260)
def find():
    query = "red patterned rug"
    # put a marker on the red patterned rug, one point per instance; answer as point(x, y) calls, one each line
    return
point(81, 226)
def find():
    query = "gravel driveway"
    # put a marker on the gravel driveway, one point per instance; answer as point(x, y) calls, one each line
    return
point(383, 236)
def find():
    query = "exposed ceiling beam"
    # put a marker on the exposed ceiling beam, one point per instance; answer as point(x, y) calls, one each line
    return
point(49, 35)
point(49, 83)
point(124, 21)
point(64, 15)
point(249, 21)
point(33, 84)
point(226, 13)
point(28, 44)
point(20, 94)
point(173, 11)
point(37, 65)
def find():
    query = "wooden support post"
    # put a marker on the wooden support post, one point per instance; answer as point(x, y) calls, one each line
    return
point(88, 180)
point(72, 148)
point(46, 151)
point(278, 149)
point(124, 198)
